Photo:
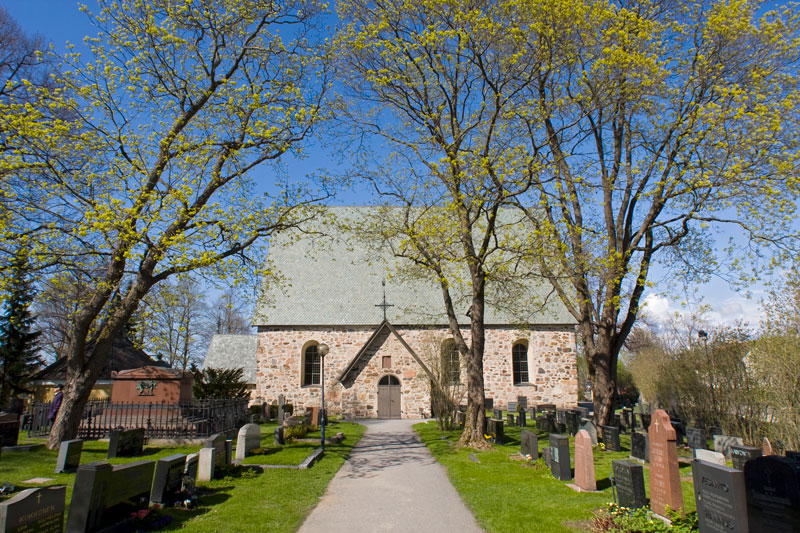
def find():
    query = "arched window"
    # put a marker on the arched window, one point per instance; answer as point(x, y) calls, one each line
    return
point(519, 359)
point(451, 363)
point(388, 380)
point(311, 365)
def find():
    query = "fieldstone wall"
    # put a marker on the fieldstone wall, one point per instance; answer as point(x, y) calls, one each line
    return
point(551, 364)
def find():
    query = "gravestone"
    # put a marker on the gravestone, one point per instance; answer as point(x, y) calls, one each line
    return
point(616, 422)
point(278, 436)
point(629, 480)
point(248, 440)
point(206, 463)
point(281, 404)
point(190, 472)
point(512, 406)
point(9, 429)
point(645, 419)
point(549, 407)
point(168, 479)
point(710, 457)
point(228, 451)
point(315, 420)
point(696, 438)
point(793, 455)
point(34, 510)
point(626, 417)
point(665, 482)
point(104, 494)
point(496, 430)
point(523, 402)
point(547, 454)
point(521, 420)
point(721, 499)
point(741, 454)
point(532, 412)
point(561, 416)
point(217, 442)
point(488, 403)
point(497, 414)
point(766, 447)
point(588, 426)
point(723, 443)
point(560, 462)
point(773, 494)
point(713, 431)
point(583, 412)
point(611, 438)
point(640, 446)
point(510, 420)
point(540, 422)
point(584, 462)
point(529, 444)
point(680, 432)
point(69, 456)
point(573, 421)
point(125, 442)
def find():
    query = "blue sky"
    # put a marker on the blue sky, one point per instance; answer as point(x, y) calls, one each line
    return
point(59, 21)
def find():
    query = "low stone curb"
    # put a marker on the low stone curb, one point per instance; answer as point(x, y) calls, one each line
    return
point(307, 463)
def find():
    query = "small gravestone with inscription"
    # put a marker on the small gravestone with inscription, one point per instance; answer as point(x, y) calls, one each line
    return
point(69, 456)
point(521, 419)
point(281, 406)
point(773, 494)
point(584, 462)
point(713, 431)
point(560, 463)
point(547, 455)
point(510, 420)
point(488, 403)
point(125, 442)
point(168, 479)
point(645, 419)
point(629, 480)
point(190, 472)
point(104, 495)
point(497, 414)
point(207, 460)
point(710, 456)
point(721, 499)
point(665, 482)
point(495, 429)
point(249, 439)
point(640, 446)
point(741, 454)
point(573, 421)
point(723, 443)
point(523, 402)
point(696, 438)
point(217, 442)
point(611, 439)
point(38, 510)
point(529, 444)
point(512, 407)
point(9, 429)
point(588, 426)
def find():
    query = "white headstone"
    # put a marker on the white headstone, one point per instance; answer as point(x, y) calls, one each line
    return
point(723, 443)
point(249, 439)
point(205, 468)
point(709, 456)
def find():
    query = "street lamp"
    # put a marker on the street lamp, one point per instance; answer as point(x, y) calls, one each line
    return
point(322, 350)
point(703, 335)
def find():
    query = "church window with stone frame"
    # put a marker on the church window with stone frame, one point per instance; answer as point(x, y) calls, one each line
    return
point(451, 362)
point(519, 360)
point(311, 366)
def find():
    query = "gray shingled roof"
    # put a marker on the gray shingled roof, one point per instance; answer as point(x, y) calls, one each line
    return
point(331, 279)
point(233, 351)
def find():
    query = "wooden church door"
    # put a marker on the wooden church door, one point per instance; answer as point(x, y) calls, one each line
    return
point(389, 397)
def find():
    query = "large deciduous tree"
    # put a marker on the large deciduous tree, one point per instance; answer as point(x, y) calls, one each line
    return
point(137, 165)
point(652, 122)
point(438, 82)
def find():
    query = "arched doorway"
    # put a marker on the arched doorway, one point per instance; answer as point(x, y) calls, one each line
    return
point(389, 397)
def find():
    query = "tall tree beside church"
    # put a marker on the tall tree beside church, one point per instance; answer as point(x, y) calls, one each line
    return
point(653, 124)
point(139, 164)
point(437, 81)
point(18, 340)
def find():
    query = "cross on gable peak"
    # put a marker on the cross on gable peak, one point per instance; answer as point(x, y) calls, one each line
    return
point(384, 305)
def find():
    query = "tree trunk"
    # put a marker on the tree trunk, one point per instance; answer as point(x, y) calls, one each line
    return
point(472, 436)
point(603, 377)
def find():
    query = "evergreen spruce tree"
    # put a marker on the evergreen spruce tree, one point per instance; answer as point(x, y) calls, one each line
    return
point(18, 342)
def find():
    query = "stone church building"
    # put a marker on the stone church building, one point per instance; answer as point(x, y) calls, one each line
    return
point(384, 336)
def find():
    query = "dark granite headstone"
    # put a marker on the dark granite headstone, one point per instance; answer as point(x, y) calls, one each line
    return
point(547, 454)
point(611, 438)
point(529, 444)
point(560, 466)
point(573, 421)
point(561, 416)
point(104, 495)
point(9, 429)
point(639, 446)
point(583, 412)
point(645, 419)
point(278, 436)
point(495, 429)
point(125, 442)
point(549, 407)
point(588, 425)
point(217, 441)
point(523, 402)
point(497, 414)
point(69, 456)
point(773, 494)
point(540, 422)
point(721, 498)
point(741, 454)
point(713, 431)
point(281, 404)
point(39, 510)
point(190, 472)
point(510, 420)
point(629, 480)
point(696, 438)
point(168, 479)
point(532, 412)
point(723, 443)
point(626, 417)
point(521, 421)
point(680, 431)
point(512, 406)
point(488, 403)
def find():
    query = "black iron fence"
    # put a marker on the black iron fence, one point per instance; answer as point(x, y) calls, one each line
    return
point(200, 418)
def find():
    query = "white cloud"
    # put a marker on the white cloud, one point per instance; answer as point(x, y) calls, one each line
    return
point(659, 310)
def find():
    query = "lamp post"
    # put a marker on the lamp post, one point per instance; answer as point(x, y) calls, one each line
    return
point(322, 350)
point(703, 335)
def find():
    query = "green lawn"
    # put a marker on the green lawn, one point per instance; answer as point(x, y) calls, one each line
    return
point(246, 500)
point(509, 495)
